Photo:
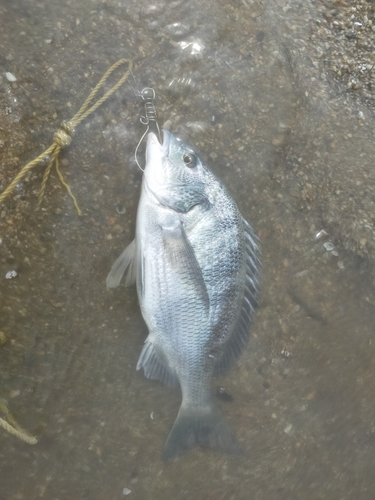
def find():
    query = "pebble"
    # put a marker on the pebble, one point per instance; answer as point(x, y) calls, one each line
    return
point(120, 209)
point(320, 234)
point(10, 275)
point(167, 124)
point(126, 491)
point(10, 77)
point(288, 429)
point(328, 246)
point(3, 339)
point(178, 29)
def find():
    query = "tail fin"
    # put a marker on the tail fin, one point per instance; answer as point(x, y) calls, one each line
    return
point(196, 428)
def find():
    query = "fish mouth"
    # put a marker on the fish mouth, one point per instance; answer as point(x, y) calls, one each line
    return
point(153, 138)
point(154, 148)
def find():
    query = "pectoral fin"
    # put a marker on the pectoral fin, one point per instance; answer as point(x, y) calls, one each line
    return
point(181, 256)
point(125, 264)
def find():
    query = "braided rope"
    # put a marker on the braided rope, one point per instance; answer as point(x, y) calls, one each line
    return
point(63, 136)
point(14, 429)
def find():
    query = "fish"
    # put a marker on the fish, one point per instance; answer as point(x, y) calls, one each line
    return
point(195, 263)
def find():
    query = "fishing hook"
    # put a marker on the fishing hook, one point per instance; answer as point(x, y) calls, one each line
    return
point(150, 118)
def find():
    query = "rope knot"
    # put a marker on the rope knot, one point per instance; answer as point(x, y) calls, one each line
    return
point(63, 136)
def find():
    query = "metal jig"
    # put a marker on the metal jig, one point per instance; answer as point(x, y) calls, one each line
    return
point(150, 118)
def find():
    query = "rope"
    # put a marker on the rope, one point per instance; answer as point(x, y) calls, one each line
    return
point(63, 137)
point(15, 429)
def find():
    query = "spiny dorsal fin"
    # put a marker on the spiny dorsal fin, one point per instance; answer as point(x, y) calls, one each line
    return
point(241, 331)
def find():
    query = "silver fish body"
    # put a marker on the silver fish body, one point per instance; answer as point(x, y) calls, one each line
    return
point(196, 267)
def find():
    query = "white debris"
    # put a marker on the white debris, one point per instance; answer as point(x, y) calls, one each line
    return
point(126, 491)
point(10, 77)
point(320, 234)
point(10, 275)
point(328, 246)
point(288, 429)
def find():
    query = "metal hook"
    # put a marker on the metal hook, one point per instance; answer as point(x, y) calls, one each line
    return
point(150, 118)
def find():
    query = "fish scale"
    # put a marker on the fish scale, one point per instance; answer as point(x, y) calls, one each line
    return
point(196, 265)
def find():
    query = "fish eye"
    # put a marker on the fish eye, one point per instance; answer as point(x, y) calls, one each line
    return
point(190, 160)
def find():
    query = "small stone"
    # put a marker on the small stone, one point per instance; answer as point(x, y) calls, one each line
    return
point(120, 209)
point(328, 246)
point(167, 124)
point(224, 395)
point(288, 429)
point(10, 77)
point(320, 234)
point(3, 339)
point(126, 491)
point(11, 274)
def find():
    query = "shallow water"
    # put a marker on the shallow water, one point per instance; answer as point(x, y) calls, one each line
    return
point(233, 78)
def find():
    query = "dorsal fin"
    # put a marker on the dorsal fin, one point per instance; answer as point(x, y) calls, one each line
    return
point(241, 331)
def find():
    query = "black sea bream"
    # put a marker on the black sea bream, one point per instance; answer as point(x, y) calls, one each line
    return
point(195, 262)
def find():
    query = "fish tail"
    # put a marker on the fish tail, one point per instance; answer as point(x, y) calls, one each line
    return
point(194, 427)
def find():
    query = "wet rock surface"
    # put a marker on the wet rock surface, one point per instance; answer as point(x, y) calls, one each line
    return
point(328, 166)
point(265, 92)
